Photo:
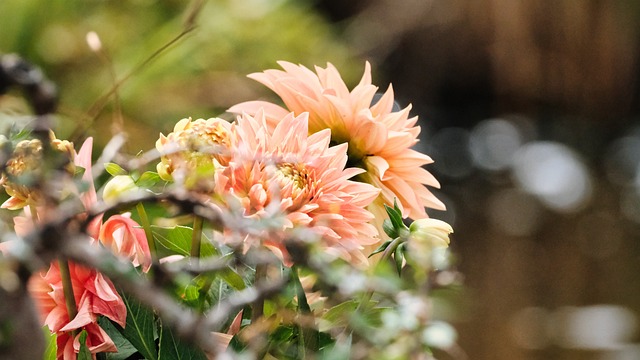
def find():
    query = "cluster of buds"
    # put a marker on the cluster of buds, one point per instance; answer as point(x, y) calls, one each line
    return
point(25, 168)
point(191, 151)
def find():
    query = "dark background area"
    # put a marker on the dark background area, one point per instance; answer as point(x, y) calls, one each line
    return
point(530, 111)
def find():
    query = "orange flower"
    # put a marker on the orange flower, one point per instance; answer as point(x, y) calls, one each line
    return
point(94, 295)
point(379, 138)
point(304, 178)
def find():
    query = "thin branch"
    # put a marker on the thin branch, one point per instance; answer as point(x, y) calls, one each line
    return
point(96, 109)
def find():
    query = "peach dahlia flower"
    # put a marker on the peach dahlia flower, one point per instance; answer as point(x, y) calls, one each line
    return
point(304, 177)
point(379, 138)
point(94, 295)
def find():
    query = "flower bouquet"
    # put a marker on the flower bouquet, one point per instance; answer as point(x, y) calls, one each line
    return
point(296, 230)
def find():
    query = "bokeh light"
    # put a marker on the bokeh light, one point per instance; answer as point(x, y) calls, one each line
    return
point(493, 143)
point(554, 173)
point(514, 212)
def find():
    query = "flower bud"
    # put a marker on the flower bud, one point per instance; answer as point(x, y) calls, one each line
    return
point(190, 153)
point(424, 236)
point(120, 187)
point(431, 232)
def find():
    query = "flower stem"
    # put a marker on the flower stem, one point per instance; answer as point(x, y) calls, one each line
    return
point(386, 255)
point(309, 336)
point(67, 289)
point(196, 238)
point(257, 309)
point(146, 225)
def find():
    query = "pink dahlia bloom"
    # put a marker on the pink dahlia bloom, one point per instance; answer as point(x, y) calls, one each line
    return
point(94, 295)
point(125, 237)
point(97, 341)
point(283, 166)
point(119, 233)
point(379, 138)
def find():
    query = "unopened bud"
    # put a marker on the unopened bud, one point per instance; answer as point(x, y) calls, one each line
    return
point(433, 232)
point(93, 40)
point(120, 188)
point(425, 235)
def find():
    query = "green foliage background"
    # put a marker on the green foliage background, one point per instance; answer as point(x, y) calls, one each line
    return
point(200, 75)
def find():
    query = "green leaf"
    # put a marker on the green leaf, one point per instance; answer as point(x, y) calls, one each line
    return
point(382, 247)
point(79, 171)
point(114, 169)
point(398, 256)
point(337, 316)
point(282, 334)
point(340, 350)
point(342, 315)
point(140, 326)
point(125, 348)
point(232, 278)
point(173, 348)
point(178, 241)
point(52, 348)
point(236, 344)
point(84, 353)
point(388, 228)
point(20, 134)
point(325, 340)
point(395, 216)
point(148, 179)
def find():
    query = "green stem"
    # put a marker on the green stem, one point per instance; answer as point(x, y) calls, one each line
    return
point(67, 289)
point(258, 306)
point(65, 276)
point(196, 238)
point(308, 335)
point(146, 225)
point(202, 293)
point(386, 255)
point(303, 305)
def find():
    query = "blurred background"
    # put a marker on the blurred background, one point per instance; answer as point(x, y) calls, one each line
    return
point(529, 108)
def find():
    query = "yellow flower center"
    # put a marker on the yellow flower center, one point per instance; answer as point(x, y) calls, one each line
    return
point(296, 181)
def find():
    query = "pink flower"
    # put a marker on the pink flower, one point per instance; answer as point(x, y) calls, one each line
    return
point(304, 178)
point(125, 237)
point(83, 159)
point(94, 295)
point(97, 341)
point(379, 138)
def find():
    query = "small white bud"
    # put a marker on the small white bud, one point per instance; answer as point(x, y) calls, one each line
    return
point(120, 187)
point(93, 40)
